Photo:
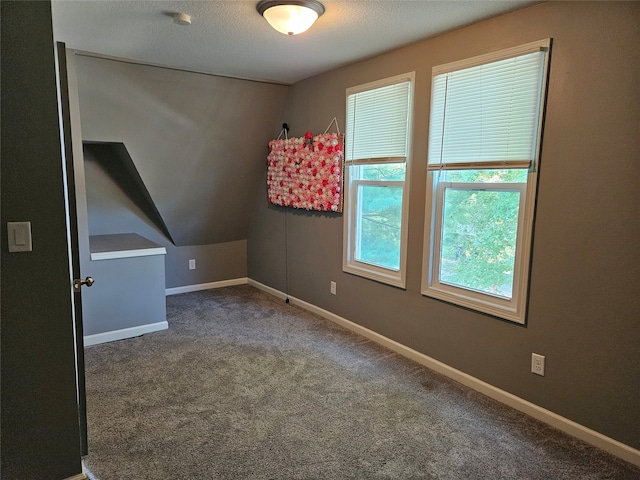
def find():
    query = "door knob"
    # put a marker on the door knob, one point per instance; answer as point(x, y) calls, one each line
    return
point(77, 283)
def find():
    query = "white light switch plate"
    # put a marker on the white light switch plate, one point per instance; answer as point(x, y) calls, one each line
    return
point(19, 234)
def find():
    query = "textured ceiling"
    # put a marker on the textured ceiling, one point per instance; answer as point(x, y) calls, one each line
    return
point(229, 37)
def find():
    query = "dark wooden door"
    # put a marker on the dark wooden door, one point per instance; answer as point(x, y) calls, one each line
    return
point(72, 225)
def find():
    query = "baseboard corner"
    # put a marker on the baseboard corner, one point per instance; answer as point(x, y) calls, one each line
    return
point(206, 286)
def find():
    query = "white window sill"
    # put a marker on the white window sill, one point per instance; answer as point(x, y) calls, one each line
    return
point(488, 304)
point(395, 279)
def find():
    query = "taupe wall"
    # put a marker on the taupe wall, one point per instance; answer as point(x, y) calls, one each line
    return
point(214, 263)
point(199, 143)
point(584, 307)
point(110, 210)
point(40, 435)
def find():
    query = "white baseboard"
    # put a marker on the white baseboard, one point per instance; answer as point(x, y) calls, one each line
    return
point(87, 473)
point(585, 434)
point(124, 333)
point(80, 476)
point(206, 286)
point(284, 296)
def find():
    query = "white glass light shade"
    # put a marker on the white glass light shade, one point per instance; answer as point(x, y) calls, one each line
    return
point(291, 18)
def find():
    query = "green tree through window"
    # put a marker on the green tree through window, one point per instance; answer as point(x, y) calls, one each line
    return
point(479, 230)
point(380, 226)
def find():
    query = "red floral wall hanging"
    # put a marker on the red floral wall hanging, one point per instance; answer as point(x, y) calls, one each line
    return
point(307, 172)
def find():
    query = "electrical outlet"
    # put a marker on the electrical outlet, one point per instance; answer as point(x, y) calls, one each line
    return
point(192, 264)
point(537, 364)
point(333, 288)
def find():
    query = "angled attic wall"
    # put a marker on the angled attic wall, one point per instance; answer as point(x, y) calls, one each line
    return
point(115, 161)
point(111, 210)
point(199, 143)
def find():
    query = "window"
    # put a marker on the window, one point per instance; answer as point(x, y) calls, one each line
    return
point(377, 149)
point(484, 142)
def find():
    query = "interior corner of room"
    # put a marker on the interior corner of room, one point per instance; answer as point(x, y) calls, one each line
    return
point(170, 187)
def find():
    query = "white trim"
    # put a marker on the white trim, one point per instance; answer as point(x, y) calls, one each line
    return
point(206, 286)
point(88, 474)
point(497, 164)
point(143, 252)
point(79, 476)
point(507, 308)
point(269, 290)
point(375, 272)
point(570, 427)
point(123, 333)
point(375, 161)
point(383, 82)
point(537, 46)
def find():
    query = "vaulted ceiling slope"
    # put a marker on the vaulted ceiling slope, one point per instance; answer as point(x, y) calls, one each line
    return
point(199, 142)
point(115, 161)
point(229, 37)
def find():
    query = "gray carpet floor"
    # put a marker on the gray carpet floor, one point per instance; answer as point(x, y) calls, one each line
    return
point(244, 386)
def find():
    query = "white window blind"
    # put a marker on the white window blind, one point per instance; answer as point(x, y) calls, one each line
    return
point(487, 115)
point(377, 124)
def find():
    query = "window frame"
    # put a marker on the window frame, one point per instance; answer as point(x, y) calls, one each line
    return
point(468, 297)
point(513, 309)
point(351, 227)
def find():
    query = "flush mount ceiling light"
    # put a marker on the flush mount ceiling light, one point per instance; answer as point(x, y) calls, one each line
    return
point(290, 17)
point(182, 18)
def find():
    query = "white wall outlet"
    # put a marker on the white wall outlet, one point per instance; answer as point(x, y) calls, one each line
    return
point(192, 264)
point(537, 364)
point(333, 288)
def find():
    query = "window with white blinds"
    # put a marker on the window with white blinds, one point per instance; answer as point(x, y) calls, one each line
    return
point(488, 115)
point(378, 122)
point(378, 142)
point(484, 145)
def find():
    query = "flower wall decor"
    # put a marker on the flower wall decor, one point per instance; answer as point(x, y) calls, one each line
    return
point(307, 172)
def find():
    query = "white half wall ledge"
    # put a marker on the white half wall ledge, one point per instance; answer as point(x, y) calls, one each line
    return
point(128, 253)
point(592, 437)
point(124, 333)
point(206, 286)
